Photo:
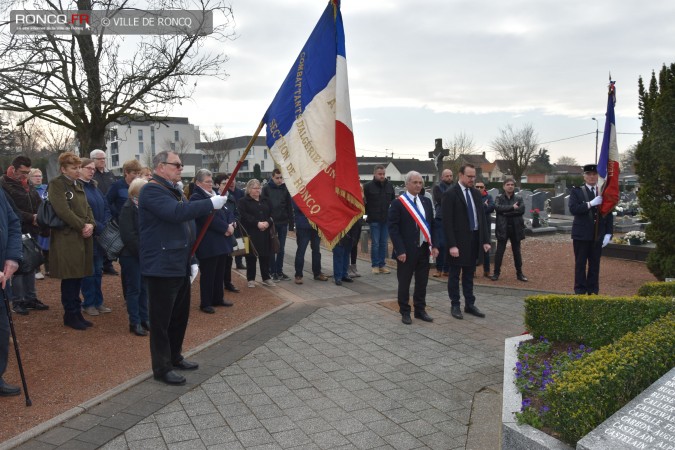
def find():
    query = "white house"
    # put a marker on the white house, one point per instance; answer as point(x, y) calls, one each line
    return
point(131, 139)
point(226, 153)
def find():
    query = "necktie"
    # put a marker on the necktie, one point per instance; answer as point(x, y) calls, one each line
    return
point(469, 209)
point(593, 191)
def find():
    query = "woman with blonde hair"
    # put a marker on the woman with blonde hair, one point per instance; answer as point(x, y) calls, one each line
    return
point(71, 252)
point(255, 215)
point(135, 293)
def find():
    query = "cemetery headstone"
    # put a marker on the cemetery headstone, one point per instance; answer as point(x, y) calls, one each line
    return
point(567, 206)
point(527, 199)
point(494, 193)
point(558, 204)
point(538, 201)
point(648, 421)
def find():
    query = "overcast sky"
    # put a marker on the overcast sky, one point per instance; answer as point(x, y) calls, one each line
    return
point(426, 69)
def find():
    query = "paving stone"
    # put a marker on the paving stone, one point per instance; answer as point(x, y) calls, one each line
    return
point(148, 444)
point(243, 423)
point(58, 435)
point(328, 439)
point(314, 425)
point(142, 431)
point(366, 440)
point(257, 436)
point(205, 421)
point(216, 436)
point(84, 421)
point(178, 433)
point(403, 441)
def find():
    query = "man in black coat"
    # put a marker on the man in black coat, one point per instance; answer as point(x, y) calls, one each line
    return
point(465, 233)
point(378, 195)
point(510, 226)
point(410, 223)
point(584, 204)
point(282, 214)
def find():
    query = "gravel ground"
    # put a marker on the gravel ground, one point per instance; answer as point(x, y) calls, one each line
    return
point(65, 367)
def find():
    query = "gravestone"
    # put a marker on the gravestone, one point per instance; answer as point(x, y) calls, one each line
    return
point(494, 193)
point(527, 200)
point(558, 204)
point(647, 422)
point(567, 206)
point(539, 201)
point(560, 187)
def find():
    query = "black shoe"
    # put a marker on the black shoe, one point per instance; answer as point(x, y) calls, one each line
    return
point(405, 318)
point(423, 316)
point(207, 309)
point(73, 321)
point(521, 277)
point(184, 364)
point(486, 274)
point(231, 287)
point(146, 326)
point(347, 280)
point(36, 305)
point(473, 311)
point(224, 302)
point(338, 282)
point(137, 329)
point(110, 271)
point(84, 321)
point(495, 277)
point(171, 378)
point(240, 267)
point(456, 312)
point(274, 277)
point(8, 390)
point(283, 277)
point(19, 308)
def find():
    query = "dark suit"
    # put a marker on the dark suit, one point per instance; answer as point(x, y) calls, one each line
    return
point(587, 247)
point(405, 236)
point(458, 234)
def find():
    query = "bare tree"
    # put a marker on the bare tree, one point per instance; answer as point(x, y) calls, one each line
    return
point(517, 147)
point(215, 147)
point(628, 159)
point(58, 139)
point(28, 134)
point(84, 81)
point(460, 144)
point(567, 161)
point(180, 147)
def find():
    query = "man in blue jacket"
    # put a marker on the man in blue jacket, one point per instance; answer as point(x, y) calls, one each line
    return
point(10, 255)
point(166, 235)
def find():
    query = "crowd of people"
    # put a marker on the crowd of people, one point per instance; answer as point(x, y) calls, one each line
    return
point(159, 222)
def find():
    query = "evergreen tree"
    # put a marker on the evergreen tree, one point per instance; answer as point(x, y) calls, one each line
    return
point(655, 155)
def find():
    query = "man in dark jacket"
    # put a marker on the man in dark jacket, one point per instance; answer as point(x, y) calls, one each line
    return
point(167, 234)
point(25, 201)
point(10, 255)
point(465, 233)
point(282, 213)
point(509, 226)
point(104, 180)
point(378, 195)
point(306, 235)
point(584, 204)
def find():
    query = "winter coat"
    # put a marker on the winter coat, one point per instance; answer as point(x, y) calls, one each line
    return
point(70, 254)
point(214, 243)
point(117, 196)
point(104, 180)
point(128, 222)
point(282, 205)
point(10, 233)
point(101, 211)
point(505, 212)
point(167, 228)
point(583, 225)
point(25, 201)
point(378, 196)
point(456, 225)
point(251, 212)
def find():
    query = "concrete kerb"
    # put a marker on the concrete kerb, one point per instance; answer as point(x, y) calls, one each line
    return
point(111, 393)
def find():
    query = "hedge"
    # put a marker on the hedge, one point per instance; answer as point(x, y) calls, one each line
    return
point(657, 288)
point(591, 320)
point(597, 386)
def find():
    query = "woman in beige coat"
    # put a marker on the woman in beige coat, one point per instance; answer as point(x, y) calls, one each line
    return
point(72, 247)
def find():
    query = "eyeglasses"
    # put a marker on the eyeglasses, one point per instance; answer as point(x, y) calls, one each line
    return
point(99, 159)
point(176, 165)
point(480, 186)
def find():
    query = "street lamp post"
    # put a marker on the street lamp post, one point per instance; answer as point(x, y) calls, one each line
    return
point(597, 131)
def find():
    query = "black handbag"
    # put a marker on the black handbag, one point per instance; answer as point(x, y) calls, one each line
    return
point(46, 216)
point(111, 240)
point(32, 255)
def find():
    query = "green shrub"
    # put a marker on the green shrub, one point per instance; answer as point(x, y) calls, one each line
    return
point(592, 320)
point(595, 387)
point(657, 288)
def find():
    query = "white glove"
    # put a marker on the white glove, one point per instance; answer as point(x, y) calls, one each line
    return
point(218, 201)
point(194, 270)
point(605, 241)
point(596, 201)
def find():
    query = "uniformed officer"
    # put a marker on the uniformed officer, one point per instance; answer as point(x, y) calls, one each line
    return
point(584, 204)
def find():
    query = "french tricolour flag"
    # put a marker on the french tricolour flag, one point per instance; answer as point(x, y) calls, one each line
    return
point(309, 131)
point(608, 162)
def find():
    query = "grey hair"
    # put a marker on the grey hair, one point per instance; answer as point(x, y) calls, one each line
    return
point(160, 158)
point(409, 175)
point(251, 183)
point(95, 153)
point(201, 175)
point(135, 186)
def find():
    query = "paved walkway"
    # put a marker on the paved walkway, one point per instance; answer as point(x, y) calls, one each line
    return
point(333, 370)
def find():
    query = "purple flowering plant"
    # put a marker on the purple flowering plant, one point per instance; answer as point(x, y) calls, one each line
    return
point(539, 361)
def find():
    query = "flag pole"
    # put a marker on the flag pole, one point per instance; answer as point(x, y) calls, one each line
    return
point(227, 186)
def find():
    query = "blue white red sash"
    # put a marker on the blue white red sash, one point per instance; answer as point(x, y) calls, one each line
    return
point(421, 221)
